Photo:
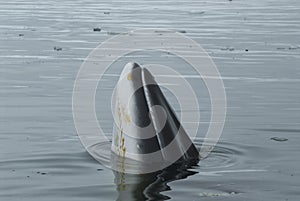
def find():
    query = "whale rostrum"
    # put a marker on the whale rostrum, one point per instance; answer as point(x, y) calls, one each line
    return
point(146, 128)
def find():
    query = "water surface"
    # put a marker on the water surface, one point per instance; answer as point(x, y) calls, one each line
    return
point(255, 45)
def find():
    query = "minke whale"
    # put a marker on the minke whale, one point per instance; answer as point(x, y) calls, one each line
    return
point(146, 127)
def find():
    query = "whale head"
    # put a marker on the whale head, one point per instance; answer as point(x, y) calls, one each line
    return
point(146, 128)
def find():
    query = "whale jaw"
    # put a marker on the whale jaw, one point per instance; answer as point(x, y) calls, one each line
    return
point(146, 128)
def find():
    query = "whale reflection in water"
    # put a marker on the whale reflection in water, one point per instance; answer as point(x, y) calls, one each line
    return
point(140, 187)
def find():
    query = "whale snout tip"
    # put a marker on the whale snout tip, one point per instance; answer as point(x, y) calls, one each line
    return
point(130, 70)
point(131, 66)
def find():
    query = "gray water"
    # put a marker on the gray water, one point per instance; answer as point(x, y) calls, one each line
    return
point(256, 46)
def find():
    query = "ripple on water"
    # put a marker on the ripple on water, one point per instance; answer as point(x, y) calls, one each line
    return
point(224, 157)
